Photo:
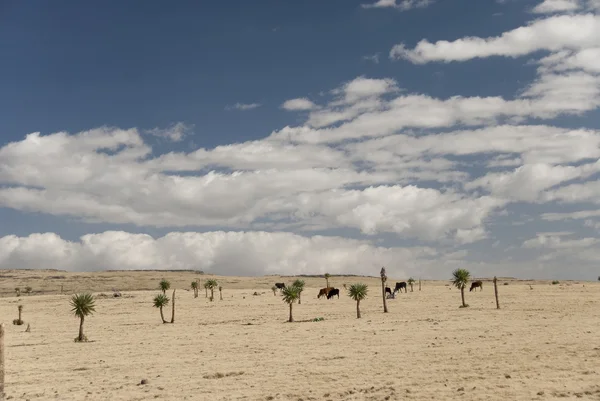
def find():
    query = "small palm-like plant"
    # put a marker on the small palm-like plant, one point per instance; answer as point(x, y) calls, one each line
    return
point(327, 275)
point(28, 290)
point(274, 289)
point(300, 285)
point(164, 286)
point(211, 284)
point(82, 306)
point(460, 278)
point(18, 291)
point(195, 288)
point(220, 293)
point(383, 280)
point(160, 302)
point(290, 295)
point(358, 292)
point(206, 289)
point(411, 282)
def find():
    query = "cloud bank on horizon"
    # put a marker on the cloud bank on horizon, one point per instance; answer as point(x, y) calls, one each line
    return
point(417, 183)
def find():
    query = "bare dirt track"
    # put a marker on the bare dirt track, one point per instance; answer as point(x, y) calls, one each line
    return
point(543, 344)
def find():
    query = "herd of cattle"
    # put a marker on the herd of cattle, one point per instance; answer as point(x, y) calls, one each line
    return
point(330, 292)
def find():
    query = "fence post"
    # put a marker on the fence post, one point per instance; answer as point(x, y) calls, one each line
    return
point(2, 362)
point(496, 292)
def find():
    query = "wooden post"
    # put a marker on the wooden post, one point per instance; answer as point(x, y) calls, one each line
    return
point(2, 362)
point(496, 292)
point(173, 308)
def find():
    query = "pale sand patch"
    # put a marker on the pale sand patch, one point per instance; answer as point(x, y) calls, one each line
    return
point(542, 340)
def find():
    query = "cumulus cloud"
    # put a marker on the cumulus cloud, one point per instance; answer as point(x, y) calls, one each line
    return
point(552, 6)
point(243, 106)
point(555, 33)
point(217, 252)
point(298, 104)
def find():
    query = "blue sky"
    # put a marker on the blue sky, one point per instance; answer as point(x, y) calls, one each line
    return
point(156, 78)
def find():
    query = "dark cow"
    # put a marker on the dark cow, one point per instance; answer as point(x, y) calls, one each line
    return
point(400, 286)
point(388, 290)
point(333, 292)
point(280, 286)
point(324, 291)
point(476, 284)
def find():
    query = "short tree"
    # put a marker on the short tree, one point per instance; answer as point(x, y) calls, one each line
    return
point(460, 279)
point(194, 286)
point(211, 284)
point(300, 285)
point(28, 290)
point(327, 275)
point(358, 292)
point(290, 295)
point(206, 289)
point(160, 302)
point(164, 286)
point(274, 289)
point(18, 291)
point(220, 293)
point(82, 306)
point(411, 282)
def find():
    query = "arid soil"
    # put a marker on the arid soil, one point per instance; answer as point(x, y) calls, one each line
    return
point(543, 344)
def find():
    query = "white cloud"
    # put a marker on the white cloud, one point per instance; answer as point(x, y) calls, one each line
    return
point(243, 106)
point(556, 241)
point(402, 5)
point(553, 6)
point(298, 104)
point(373, 57)
point(527, 182)
point(226, 253)
point(176, 132)
point(555, 33)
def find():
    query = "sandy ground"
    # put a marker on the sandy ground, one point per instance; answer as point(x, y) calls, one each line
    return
point(543, 344)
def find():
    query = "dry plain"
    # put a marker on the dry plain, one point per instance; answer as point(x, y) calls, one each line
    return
point(543, 344)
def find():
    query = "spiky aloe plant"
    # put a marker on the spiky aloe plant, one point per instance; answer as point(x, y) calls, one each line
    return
point(194, 286)
point(211, 284)
point(460, 278)
point(160, 302)
point(290, 295)
point(411, 282)
point(82, 306)
point(300, 285)
point(164, 285)
point(358, 292)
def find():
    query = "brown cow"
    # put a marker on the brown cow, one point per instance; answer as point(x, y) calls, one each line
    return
point(324, 292)
point(476, 284)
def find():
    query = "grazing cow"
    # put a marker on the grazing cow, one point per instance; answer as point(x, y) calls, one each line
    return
point(333, 292)
point(280, 286)
point(388, 290)
point(476, 284)
point(400, 286)
point(324, 291)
